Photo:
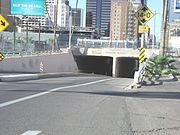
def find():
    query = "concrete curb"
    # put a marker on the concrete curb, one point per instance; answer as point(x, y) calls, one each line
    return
point(22, 77)
point(26, 77)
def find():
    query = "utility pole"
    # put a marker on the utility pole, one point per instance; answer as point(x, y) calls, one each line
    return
point(164, 26)
point(14, 32)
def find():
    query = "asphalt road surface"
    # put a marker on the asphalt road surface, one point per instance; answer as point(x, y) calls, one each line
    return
point(87, 105)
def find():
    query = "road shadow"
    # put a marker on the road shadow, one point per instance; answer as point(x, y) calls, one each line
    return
point(139, 94)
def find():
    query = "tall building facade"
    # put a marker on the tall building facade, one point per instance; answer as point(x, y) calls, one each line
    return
point(77, 17)
point(56, 12)
point(63, 13)
point(98, 15)
point(124, 24)
point(118, 19)
point(143, 2)
point(174, 10)
point(47, 20)
point(174, 23)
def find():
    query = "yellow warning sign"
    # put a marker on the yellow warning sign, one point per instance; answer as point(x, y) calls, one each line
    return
point(142, 55)
point(144, 14)
point(3, 23)
point(143, 29)
point(1, 56)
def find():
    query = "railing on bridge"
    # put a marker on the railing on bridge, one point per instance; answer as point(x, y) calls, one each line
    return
point(106, 43)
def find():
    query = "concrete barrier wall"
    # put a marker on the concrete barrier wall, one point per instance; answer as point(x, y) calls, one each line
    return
point(35, 64)
point(116, 52)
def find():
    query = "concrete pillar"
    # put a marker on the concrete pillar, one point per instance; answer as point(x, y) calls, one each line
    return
point(114, 71)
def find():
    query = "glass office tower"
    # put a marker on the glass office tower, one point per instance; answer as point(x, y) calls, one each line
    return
point(98, 15)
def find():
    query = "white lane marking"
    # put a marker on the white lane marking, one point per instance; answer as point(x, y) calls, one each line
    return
point(31, 132)
point(49, 91)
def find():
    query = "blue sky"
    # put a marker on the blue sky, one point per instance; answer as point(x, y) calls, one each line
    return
point(154, 5)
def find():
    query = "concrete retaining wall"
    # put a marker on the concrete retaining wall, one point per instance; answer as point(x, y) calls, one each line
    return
point(36, 64)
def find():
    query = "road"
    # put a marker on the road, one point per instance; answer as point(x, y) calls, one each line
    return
point(87, 105)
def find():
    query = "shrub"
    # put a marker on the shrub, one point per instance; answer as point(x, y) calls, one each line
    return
point(160, 65)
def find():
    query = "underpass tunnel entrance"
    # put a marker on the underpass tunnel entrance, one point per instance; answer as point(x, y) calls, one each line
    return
point(126, 66)
point(94, 64)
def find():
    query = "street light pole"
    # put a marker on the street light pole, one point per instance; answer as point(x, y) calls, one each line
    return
point(154, 41)
point(70, 31)
point(154, 30)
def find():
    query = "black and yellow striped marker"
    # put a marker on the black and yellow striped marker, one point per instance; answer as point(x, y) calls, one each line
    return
point(1, 56)
point(142, 55)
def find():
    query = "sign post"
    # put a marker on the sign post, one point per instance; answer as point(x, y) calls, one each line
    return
point(143, 15)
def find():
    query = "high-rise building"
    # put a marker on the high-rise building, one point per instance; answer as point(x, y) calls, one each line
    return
point(174, 10)
point(63, 13)
point(174, 23)
point(124, 24)
point(56, 12)
point(144, 2)
point(98, 15)
point(77, 17)
point(45, 21)
point(118, 19)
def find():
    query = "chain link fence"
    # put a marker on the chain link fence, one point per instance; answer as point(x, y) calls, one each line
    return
point(30, 43)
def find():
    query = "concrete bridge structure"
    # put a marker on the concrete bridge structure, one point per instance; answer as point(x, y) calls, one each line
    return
point(116, 62)
point(124, 61)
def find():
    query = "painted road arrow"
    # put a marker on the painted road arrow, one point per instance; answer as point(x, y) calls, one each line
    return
point(3, 23)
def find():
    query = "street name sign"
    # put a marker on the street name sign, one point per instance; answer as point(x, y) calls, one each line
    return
point(3, 23)
point(143, 29)
point(144, 14)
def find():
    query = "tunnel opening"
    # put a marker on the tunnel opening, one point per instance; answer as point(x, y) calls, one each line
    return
point(126, 66)
point(94, 64)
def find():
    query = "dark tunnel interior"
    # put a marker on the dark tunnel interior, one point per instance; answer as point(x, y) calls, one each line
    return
point(125, 67)
point(94, 64)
